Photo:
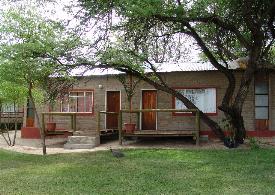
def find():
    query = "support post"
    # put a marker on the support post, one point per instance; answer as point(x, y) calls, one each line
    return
point(138, 120)
point(74, 122)
point(43, 123)
point(98, 122)
point(120, 127)
point(197, 127)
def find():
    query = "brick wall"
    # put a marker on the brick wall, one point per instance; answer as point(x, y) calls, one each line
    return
point(167, 121)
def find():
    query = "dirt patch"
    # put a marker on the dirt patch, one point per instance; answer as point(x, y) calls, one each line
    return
point(55, 146)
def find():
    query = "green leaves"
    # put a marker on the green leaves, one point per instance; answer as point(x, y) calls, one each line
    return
point(12, 93)
point(32, 49)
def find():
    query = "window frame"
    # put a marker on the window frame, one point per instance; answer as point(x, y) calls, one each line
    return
point(76, 91)
point(190, 114)
point(267, 94)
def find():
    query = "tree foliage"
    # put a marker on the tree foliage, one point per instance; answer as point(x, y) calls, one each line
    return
point(223, 30)
point(32, 53)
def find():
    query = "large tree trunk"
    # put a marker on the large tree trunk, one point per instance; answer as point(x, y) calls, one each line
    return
point(42, 133)
point(238, 127)
point(235, 118)
point(234, 112)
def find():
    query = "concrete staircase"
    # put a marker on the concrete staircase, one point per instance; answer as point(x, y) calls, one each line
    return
point(82, 142)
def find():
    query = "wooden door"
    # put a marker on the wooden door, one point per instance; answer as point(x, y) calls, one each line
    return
point(149, 101)
point(113, 105)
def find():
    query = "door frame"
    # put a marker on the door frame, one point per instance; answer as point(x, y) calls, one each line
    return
point(105, 124)
point(140, 106)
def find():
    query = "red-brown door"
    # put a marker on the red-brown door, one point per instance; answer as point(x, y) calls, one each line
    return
point(149, 101)
point(113, 105)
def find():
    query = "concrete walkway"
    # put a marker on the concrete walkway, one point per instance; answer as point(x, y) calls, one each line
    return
point(55, 146)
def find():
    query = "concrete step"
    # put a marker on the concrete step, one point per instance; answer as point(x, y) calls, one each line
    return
point(81, 139)
point(78, 146)
point(82, 142)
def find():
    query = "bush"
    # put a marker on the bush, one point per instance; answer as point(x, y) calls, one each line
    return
point(254, 143)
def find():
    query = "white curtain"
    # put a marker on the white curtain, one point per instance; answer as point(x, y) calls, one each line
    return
point(204, 99)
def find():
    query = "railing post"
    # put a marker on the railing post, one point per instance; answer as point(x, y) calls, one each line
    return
point(197, 127)
point(98, 122)
point(138, 120)
point(74, 122)
point(43, 123)
point(120, 127)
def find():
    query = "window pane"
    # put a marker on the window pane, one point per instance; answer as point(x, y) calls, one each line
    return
point(73, 94)
point(73, 104)
point(80, 104)
point(8, 108)
point(261, 113)
point(204, 99)
point(261, 100)
point(261, 88)
point(65, 105)
point(89, 101)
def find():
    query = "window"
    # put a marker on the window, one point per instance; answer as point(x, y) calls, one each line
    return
point(10, 107)
point(261, 96)
point(203, 98)
point(78, 101)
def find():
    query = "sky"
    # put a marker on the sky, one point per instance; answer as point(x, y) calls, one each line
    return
point(58, 10)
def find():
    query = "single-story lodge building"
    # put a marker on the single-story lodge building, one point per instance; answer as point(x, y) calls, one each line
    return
point(100, 91)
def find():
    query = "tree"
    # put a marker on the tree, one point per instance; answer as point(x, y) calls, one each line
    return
point(224, 30)
point(130, 89)
point(15, 95)
point(29, 47)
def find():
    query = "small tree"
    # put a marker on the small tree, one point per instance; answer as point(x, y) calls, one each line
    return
point(16, 95)
point(29, 50)
point(130, 88)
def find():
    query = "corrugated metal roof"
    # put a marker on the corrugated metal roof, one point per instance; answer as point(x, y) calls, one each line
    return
point(164, 67)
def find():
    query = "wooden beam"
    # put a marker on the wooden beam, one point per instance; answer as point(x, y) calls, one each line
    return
point(43, 123)
point(105, 112)
point(98, 121)
point(163, 132)
point(62, 113)
point(197, 128)
point(74, 123)
point(159, 110)
point(120, 127)
point(138, 120)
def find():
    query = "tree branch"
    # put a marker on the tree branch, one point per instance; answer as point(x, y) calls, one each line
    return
point(210, 19)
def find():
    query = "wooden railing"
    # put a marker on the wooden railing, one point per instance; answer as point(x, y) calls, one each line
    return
point(196, 112)
point(111, 113)
point(12, 114)
point(98, 117)
point(71, 114)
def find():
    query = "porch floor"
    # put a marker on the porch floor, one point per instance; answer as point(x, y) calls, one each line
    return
point(107, 132)
point(160, 133)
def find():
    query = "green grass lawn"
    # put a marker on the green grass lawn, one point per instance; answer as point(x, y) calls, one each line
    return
point(140, 172)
